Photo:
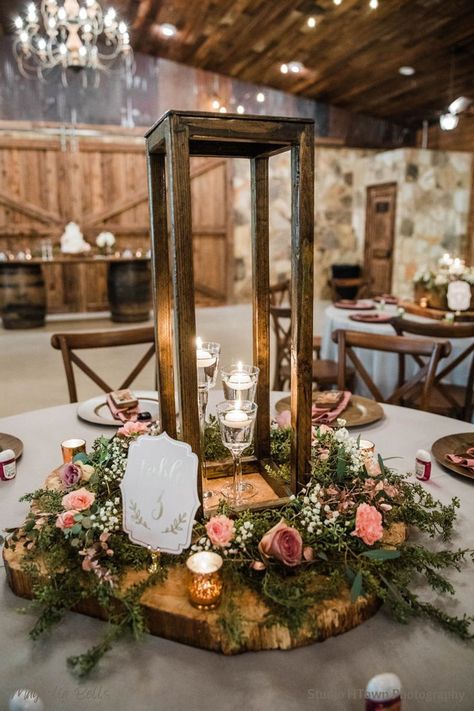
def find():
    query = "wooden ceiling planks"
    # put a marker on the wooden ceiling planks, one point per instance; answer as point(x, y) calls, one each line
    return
point(351, 57)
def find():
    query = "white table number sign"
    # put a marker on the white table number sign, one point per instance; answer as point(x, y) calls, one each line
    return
point(459, 295)
point(159, 493)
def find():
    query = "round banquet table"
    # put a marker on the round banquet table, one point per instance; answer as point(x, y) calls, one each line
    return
point(383, 367)
point(436, 669)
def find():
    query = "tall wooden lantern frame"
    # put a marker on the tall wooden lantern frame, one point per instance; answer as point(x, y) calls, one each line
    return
point(171, 142)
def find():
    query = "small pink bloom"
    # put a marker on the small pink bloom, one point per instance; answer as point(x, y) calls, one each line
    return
point(257, 565)
point(70, 475)
point(220, 531)
point(308, 553)
point(373, 467)
point(283, 419)
point(368, 524)
point(80, 499)
point(66, 519)
point(283, 543)
point(324, 429)
point(132, 428)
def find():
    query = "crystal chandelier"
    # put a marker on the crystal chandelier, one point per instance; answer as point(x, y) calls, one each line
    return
point(72, 35)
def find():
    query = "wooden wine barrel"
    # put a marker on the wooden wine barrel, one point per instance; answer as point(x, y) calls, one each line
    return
point(129, 287)
point(22, 295)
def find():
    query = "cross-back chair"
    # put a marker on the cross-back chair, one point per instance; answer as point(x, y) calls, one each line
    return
point(413, 391)
point(67, 343)
point(280, 295)
point(446, 398)
point(324, 372)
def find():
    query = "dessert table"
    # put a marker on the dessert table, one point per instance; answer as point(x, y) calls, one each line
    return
point(435, 669)
point(383, 367)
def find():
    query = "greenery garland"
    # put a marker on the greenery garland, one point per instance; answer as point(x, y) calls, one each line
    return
point(334, 534)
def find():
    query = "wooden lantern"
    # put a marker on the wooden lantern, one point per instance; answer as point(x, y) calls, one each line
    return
point(170, 143)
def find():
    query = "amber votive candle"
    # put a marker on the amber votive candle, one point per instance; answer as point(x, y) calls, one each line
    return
point(71, 447)
point(204, 580)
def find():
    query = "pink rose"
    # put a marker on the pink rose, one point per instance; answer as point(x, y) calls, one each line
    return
point(368, 524)
point(220, 531)
point(132, 428)
point(80, 499)
point(66, 519)
point(283, 543)
point(70, 475)
point(283, 419)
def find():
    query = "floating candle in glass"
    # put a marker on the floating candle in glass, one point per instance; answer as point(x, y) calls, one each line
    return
point(240, 382)
point(71, 447)
point(204, 580)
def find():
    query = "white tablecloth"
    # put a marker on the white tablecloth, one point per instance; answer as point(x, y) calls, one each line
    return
point(436, 670)
point(383, 367)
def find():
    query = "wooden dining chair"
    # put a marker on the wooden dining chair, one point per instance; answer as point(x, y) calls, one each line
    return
point(412, 392)
point(280, 295)
point(324, 372)
point(67, 343)
point(446, 398)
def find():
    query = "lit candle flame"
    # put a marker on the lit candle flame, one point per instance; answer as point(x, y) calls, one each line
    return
point(239, 365)
point(198, 343)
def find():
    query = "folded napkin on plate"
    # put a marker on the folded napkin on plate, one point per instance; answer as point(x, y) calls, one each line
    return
point(371, 318)
point(324, 416)
point(466, 461)
point(129, 415)
point(389, 299)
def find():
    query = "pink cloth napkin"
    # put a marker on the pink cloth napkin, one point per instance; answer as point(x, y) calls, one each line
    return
point(321, 415)
point(129, 415)
point(466, 461)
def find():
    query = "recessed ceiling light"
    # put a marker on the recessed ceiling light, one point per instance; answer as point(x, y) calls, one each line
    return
point(168, 30)
point(260, 97)
point(311, 22)
point(373, 4)
point(337, 2)
point(406, 71)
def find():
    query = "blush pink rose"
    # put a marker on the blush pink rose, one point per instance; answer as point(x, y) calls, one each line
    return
point(66, 519)
point(220, 531)
point(283, 419)
point(132, 428)
point(368, 524)
point(80, 499)
point(283, 543)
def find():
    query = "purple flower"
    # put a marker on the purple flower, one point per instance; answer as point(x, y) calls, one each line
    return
point(70, 474)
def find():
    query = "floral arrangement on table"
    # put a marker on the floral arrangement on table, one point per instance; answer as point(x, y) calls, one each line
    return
point(105, 241)
point(433, 284)
point(338, 532)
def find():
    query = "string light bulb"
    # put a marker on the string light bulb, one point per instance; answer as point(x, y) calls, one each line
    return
point(311, 22)
point(373, 4)
point(260, 97)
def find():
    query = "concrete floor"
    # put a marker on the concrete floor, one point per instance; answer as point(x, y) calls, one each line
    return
point(32, 373)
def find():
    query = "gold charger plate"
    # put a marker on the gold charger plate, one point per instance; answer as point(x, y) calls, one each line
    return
point(360, 410)
point(8, 441)
point(453, 444)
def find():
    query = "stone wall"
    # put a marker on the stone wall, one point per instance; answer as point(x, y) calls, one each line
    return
point(433, 197)
point(335, 240)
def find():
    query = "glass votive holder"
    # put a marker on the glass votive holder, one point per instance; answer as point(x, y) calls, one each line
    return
point(204, 580)
point(367, 450)
point(207, 359)
point(71, 447)
point(240, 381)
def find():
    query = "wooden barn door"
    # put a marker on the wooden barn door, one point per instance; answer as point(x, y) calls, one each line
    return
point(212, 233)
point(379, 237)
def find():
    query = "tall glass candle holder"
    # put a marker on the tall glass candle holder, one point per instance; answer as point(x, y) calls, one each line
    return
point(207, 361)
point(240, 381)
point(237, 423)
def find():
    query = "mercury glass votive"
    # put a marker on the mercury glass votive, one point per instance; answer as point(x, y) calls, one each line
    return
point(204, 580)
point(367, 449)
point(71, 447)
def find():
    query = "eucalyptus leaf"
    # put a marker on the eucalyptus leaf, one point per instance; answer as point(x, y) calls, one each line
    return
point(81, 457)
point(76, 528)
point(381, 554)
point(356, 589)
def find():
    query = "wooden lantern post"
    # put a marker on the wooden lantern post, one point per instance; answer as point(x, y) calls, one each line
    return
point(170, 143)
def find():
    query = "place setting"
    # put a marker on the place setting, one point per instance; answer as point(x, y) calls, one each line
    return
point(456, 453)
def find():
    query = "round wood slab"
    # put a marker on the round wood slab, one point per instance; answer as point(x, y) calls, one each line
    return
point(453, 444)
point(8, 441)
